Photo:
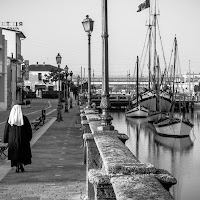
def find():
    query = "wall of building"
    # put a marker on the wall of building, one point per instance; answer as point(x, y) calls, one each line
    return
point(11, 82)
point(3, 72)
point(16, 61)
point(10, 36)
point(18, 45)
point(11, 62)
point(33, 80)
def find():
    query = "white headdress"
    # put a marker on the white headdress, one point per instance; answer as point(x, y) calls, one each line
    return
point(16, 116)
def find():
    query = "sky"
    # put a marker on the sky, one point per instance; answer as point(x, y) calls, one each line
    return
point(54, 26)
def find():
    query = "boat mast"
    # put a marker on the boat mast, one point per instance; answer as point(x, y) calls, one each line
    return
point(189, 83)
point(175, 55)
point(155, 53)
point(174, 75)
point(158, 86)
point(137, 84)
point(150, 29)
point(156, 65)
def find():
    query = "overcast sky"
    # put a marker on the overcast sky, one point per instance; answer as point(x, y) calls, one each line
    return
point(54, 26)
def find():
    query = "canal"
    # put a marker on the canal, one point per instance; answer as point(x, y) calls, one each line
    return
point(180, 156)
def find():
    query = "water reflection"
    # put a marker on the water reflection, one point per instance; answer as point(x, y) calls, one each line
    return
point(177, 151)
point(174, 143)
point(180, 156)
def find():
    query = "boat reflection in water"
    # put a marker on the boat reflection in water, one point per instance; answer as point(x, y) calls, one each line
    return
point(174, 143)
point(167, 153)
point(176, 154)
point(137, 121)
point(137, 126)
point(180, 156)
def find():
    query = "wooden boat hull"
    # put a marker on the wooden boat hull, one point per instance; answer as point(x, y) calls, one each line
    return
point(173, 127)
point(137, 121)
point(148, 100)
point(137, 112)
point(155, 116)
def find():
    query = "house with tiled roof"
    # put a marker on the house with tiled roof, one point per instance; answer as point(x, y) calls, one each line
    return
point(36, 75)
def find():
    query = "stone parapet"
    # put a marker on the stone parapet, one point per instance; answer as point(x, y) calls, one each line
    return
point(93, 117)
point(113, 172)
point(117, 158)
point(102, 186)
point(139, 187)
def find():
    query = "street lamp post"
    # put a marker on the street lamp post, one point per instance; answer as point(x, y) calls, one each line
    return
point(22, 90)
point(66, 86)
point(105, 101)
point(78, 79)
point(88, 27)
point(59, 114)
point(70, 82)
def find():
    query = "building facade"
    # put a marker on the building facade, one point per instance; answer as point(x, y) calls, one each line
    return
point(3, 72)
point(11, 64)
point(35, 82)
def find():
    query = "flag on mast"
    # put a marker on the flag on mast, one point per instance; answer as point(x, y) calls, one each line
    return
point(144, 5)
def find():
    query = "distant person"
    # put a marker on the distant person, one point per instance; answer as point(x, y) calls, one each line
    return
point(17, 134)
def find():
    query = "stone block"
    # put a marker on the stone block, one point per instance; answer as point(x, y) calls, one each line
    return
point(123, 137)
point(165, 178)
point(139, 187)
point(102, 187)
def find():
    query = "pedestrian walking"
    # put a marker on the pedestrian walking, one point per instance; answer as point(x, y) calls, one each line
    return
point(17, 134)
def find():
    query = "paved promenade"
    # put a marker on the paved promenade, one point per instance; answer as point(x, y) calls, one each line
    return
point(57, 171)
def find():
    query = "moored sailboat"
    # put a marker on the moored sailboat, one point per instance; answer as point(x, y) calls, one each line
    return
point(136, 110)
point(148, 98)
point(173, 126)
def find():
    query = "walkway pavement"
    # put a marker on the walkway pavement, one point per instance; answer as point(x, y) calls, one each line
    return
point(57, 171)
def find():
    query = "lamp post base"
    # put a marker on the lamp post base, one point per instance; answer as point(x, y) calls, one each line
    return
point(66, 106)
point(105, 121)
point(71, 103)
point(78, 101)
point(59, 113)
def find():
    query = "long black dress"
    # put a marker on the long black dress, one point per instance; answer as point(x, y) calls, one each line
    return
point(18, 139)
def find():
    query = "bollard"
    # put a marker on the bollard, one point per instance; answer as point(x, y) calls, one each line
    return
point(43, 115)
point(71, 102)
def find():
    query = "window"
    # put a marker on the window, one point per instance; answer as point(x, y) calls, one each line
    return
point(39, 76)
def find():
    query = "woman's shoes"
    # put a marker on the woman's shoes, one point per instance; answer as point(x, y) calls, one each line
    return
point(19, 167)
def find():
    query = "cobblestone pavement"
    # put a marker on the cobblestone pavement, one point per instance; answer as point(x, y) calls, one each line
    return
point(57, 171)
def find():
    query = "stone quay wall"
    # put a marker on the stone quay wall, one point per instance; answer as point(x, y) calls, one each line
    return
point(112, 171)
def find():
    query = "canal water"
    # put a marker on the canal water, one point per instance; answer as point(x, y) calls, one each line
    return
point(180, 156)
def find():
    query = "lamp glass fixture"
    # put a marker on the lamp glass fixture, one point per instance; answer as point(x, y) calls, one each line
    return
point(66, 69)
point(58, 59)
point(71, 73)
point(88, 24)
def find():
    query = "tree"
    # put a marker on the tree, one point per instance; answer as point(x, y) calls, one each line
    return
point(53, 77)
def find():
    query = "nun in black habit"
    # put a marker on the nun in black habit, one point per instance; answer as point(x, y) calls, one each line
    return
point(18, 134)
